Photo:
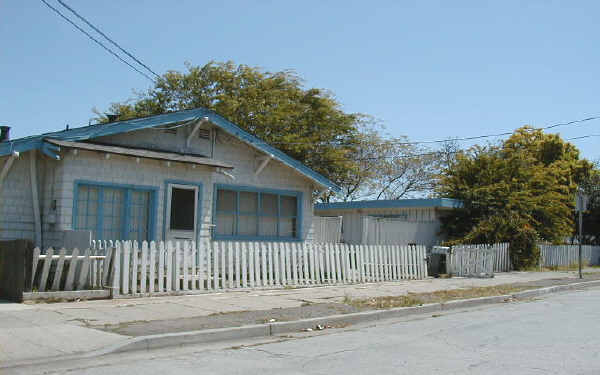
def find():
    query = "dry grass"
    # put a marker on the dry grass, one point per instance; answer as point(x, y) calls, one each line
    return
point(416, 299)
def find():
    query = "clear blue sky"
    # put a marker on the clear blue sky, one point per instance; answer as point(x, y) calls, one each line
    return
point(428, 69)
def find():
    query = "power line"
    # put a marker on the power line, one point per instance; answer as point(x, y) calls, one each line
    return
point(574, 122)
point(583, 136)
point(96, 41)
point(106, 37)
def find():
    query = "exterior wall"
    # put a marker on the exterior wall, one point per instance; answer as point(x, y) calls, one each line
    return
point(16, 200)
point(418, 225)
point(16, 208)
point(93, 166)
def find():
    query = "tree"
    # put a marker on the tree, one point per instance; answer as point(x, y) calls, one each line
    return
point(404, 170)
point(591, 217)
point(389, 168)
point(529, 181)
point(307, 124)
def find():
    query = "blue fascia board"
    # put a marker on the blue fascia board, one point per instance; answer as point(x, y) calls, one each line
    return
point(101, 130)
point(397, 203)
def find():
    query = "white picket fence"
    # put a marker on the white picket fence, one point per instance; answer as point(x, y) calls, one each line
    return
point(158, 267)
point(478, 260)
point(568, 255)
point(67, 270)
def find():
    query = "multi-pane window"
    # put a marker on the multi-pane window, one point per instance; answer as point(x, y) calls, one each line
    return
point(247, 213)
point(113, 212)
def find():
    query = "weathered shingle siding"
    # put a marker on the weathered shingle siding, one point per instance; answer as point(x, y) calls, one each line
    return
point(93, 166)
point(16, 209)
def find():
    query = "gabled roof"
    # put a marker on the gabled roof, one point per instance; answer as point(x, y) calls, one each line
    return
point(396, 203)
point(100, 130)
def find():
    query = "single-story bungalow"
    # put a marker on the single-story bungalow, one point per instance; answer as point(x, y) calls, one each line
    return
point(186, 175)
point(402, 221)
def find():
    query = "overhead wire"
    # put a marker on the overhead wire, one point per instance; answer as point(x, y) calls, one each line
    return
point(96, 29)
point(97, 41)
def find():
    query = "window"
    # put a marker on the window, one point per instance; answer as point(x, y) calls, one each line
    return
point(242, 212)
point(114, 212)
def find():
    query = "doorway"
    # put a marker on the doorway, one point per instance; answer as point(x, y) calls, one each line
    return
point(182, 212)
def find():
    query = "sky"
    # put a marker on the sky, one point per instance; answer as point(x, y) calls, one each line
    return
point(427, 69)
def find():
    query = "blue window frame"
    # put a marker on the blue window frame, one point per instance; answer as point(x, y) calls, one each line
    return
point(244, 212)
point(115, 212)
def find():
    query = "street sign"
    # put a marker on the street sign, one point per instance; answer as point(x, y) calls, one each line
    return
point(581, 202)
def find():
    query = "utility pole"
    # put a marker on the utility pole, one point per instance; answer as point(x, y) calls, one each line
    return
point(580, 233)
point(580, 207)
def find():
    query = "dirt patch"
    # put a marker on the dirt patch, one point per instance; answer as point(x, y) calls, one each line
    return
point(416, 299)
point(315, 310)
point(230, 319)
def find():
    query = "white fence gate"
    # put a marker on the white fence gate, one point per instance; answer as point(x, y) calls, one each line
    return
point(473, 260)
point(69, 270)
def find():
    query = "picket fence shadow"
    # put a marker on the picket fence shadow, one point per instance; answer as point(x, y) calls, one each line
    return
point(70, 270)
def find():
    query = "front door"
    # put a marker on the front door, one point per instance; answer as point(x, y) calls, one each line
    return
point(182, 212)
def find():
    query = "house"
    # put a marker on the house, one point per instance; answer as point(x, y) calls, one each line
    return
point(187, 175)
point(403, 221)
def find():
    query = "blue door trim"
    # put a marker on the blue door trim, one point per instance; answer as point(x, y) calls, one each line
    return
point(199, 208)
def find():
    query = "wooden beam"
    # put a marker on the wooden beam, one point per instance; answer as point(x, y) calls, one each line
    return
point(7, 166)
point(263, 164)
point(37, 219)
point(195, 130)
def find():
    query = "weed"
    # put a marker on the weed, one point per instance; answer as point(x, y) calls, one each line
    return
point(415, 299)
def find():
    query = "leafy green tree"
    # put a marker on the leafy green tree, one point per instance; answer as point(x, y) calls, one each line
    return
point(307, 124)
point(591, 217)
point(528, 183)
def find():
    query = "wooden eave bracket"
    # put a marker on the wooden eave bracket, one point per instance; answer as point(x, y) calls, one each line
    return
point(264, 161)
point(195, 130)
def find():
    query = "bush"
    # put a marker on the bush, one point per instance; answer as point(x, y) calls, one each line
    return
point(524, 252)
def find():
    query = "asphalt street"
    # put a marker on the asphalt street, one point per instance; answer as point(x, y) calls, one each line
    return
point(557, 334)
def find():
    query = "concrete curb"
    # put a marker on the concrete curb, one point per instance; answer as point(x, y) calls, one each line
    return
point(278, 328)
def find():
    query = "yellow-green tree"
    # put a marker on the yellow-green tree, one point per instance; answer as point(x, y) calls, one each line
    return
point(307, 124)
point(522, 189)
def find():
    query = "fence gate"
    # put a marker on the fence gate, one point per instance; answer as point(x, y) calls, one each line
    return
point(472, 261)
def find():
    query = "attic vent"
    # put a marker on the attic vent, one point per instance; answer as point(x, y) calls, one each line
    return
point(204, 133)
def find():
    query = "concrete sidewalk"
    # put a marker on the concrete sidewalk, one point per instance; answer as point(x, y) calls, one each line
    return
point(33, 331)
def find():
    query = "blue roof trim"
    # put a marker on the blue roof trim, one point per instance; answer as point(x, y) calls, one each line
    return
point(399, 203)
point(94, 131)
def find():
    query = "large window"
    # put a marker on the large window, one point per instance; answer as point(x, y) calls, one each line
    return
point(248, 213)
point(114, 212)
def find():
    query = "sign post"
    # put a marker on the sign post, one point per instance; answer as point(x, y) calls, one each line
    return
point(581, 206)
